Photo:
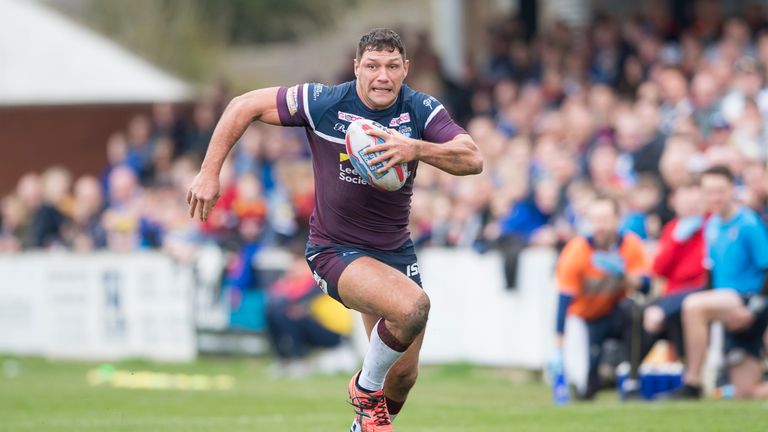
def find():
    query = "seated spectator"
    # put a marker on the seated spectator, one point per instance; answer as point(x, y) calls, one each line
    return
point(595, 274)
point(301, 318)
point(679, 262)
point(737, 260)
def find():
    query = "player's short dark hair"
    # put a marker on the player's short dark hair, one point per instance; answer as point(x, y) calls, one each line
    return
point(380, 39)
point(719, 170)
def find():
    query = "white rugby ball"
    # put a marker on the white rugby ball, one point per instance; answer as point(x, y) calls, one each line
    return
point(357, 140)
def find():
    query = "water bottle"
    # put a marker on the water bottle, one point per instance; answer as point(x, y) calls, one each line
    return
point(560, 393)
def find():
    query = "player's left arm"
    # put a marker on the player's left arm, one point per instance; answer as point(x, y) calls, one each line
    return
point(444, 144)
point(458, 156)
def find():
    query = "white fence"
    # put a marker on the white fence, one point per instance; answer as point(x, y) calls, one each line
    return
point(110, 306)
point(99, 306)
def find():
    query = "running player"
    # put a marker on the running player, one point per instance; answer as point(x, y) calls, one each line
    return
point(359, 246)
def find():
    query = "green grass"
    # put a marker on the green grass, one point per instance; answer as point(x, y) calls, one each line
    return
point(54, 396)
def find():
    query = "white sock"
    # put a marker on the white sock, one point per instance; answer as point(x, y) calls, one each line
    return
point(379, 358)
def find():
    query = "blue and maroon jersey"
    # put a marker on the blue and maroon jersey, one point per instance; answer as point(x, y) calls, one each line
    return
point(348, 211)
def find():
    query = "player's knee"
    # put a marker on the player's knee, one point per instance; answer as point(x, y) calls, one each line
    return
point(417, 315)
point(653, 319)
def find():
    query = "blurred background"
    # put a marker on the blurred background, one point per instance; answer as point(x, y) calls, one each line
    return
point(107, 107)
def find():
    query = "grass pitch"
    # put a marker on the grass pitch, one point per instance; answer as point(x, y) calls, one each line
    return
point(38, 395)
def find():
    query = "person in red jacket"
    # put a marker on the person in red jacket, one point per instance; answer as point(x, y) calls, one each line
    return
point(679, 261)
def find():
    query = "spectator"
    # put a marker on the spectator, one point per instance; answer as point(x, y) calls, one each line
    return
point(595, 274)
point(300, 318)
point(679, 262)
point(643, 200)
point(84, 232)
point(49, 218)
point(122, 216)
point(13, 216)
point(737, 261)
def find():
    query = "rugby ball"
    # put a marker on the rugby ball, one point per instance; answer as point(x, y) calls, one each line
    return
point(357, 140)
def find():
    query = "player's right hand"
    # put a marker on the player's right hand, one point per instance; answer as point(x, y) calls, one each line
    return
point(203, 194)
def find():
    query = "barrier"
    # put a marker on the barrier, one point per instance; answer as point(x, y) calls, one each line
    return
point(96, 306)
point(111, 306)
point(475, 318)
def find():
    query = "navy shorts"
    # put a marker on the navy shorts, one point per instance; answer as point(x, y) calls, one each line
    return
point(328, 262)
point(672, 305)
point(750, 340)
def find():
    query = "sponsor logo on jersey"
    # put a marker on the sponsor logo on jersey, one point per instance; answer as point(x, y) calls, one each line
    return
point(428, 102)
point(340, 127)
point(292, 100)
point(316, 93)
point(405, 130)
point(397, 121)
point(347, 117)
point(349, 174)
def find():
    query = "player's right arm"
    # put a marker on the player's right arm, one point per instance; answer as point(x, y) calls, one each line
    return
point(240, 113)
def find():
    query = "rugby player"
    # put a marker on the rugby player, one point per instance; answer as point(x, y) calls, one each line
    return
point(359, 247)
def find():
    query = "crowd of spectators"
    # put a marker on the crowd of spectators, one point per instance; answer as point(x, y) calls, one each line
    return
point(631, 107)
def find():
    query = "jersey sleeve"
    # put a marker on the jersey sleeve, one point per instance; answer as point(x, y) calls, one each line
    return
point(437, 125)
point(305, 104)
point(757, 242)
point(570, 266)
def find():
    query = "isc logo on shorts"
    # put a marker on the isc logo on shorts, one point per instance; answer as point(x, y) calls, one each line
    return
point(412, 270)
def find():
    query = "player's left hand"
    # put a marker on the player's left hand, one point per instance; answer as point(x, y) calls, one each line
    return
point(396, 149)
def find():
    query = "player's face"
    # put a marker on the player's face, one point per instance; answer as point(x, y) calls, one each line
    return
point(605, 222)
point(380, 75)
point(719, 193)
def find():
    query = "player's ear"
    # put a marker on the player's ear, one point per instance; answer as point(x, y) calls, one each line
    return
point(406, 65)
point(356, 66)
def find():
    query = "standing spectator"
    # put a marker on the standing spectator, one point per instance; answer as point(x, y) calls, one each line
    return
point(642, 200)
point(527, 223)
point(200, 132)
point(13, 216)
point(49, 218)
point(84, 232)
point(122, 216)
